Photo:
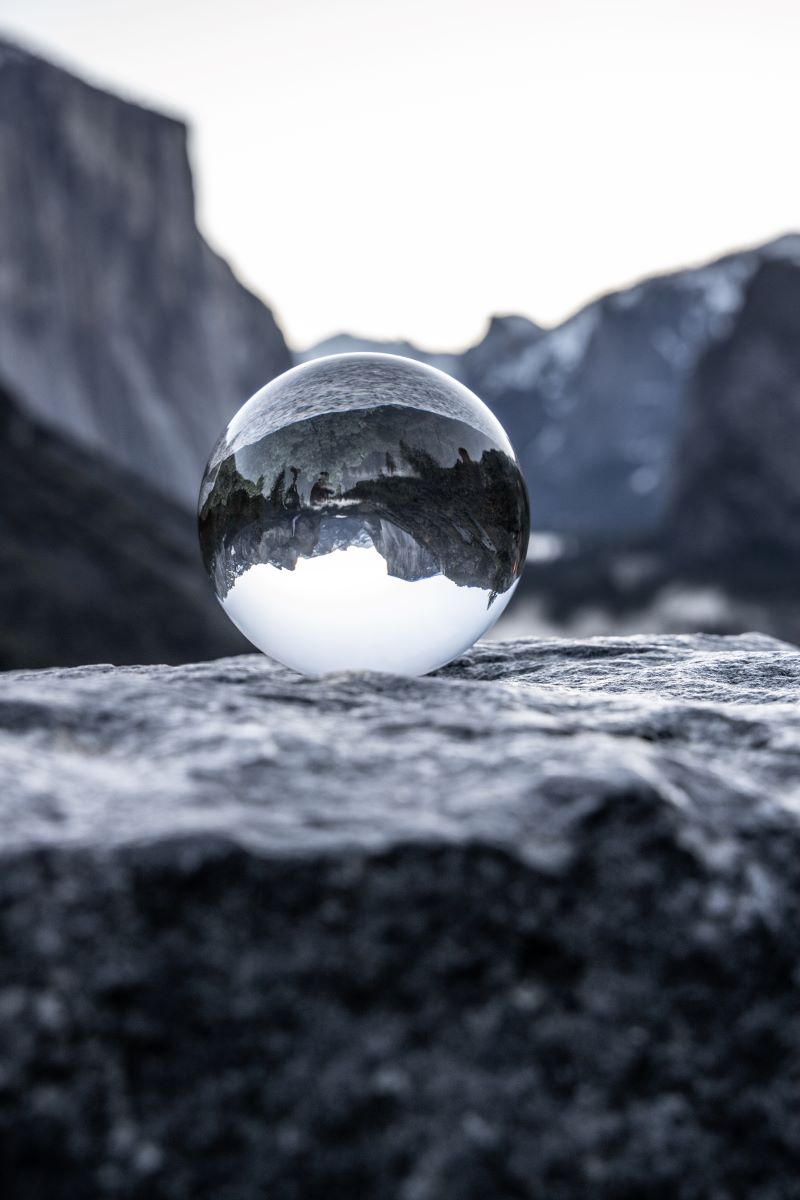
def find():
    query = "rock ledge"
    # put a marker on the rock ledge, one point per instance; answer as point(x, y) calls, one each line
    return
point(524, 928)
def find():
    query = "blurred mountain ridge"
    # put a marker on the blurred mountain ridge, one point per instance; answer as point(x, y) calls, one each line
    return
point(738, 482)
point(596, 406)
point(658, 427)
point(119, 327)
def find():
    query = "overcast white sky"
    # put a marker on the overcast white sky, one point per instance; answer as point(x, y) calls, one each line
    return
point(407, 167)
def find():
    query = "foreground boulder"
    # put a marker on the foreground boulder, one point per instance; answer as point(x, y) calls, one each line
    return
point(524, 928)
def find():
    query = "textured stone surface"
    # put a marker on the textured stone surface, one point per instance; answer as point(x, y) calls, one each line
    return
point(524, 928)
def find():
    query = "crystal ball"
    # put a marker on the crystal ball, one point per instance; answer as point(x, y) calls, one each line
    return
point(363, 512)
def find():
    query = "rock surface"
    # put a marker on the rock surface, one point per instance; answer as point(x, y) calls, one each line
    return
point(524, 928)
point(119, 327)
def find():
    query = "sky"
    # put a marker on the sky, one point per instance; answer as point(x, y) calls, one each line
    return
point(406, 168)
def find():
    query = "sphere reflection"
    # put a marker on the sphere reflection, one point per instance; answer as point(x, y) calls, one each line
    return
point(363, 511)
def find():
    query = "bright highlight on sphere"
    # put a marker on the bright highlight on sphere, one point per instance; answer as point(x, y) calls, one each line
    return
point(363, 512)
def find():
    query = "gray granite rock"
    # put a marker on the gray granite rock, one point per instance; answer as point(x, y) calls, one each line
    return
point(524, 928)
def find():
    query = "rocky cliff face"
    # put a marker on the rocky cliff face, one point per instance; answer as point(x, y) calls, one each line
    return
point(524, 928)
point(118, 325)
point(94, 565)
point(595, 408)
point(506, 339)
point(738, 477)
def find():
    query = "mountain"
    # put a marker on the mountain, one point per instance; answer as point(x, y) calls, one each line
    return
point(738, 483)
point(596, 407)
point(506, 336)
point(659, 420)
point(119, 327)
point(507, 339)
point(345, 343)
point(94, 565)
point(725, 556)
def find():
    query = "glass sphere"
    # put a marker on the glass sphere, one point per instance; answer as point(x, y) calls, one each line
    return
point(363, 512)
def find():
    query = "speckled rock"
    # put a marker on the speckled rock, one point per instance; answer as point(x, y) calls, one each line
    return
point(524, 928)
